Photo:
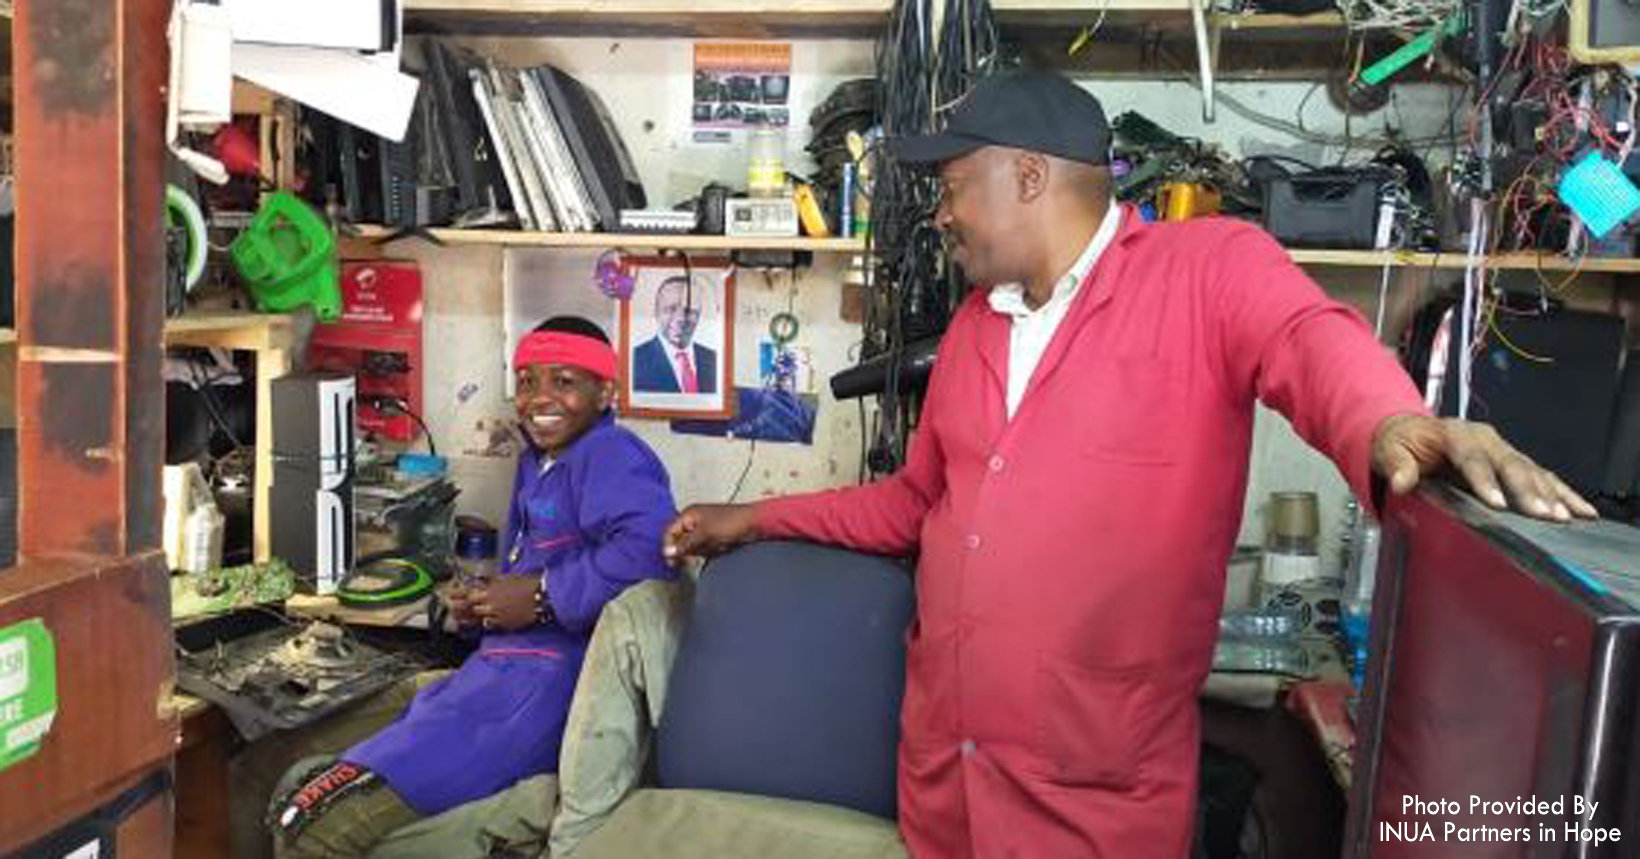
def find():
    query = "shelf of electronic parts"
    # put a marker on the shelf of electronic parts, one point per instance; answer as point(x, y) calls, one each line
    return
point(750, 17)
point(252, 331)
point(1520, 261)
point(682, 242)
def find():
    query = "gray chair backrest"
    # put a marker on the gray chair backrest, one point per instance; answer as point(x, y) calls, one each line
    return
point(789, 678)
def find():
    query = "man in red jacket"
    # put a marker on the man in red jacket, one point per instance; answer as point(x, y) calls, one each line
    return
point(1075, 485)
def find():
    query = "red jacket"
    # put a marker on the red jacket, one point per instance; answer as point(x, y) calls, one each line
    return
point(1072, 559)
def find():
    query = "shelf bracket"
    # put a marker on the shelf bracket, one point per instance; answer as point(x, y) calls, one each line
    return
point(1207, 53)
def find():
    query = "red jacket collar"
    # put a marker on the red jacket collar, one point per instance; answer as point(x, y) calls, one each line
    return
point(1095, 292)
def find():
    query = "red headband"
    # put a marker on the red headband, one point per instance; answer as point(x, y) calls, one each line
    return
point(572, 350)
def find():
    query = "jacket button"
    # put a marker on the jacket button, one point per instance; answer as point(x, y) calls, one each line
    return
point(967, 747)
point(996, 463)
point(971, 541)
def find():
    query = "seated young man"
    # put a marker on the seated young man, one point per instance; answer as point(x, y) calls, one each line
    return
point(589, 505)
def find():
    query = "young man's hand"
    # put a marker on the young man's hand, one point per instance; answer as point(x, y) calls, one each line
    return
point(506, 602)
point(459, 600)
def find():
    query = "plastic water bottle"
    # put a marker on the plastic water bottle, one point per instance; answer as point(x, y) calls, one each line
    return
point(202, 540)
point(476, 546)
point(1360, 577)
point(766, 161)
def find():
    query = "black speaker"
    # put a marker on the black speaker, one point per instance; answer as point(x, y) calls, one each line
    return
point(313, 452)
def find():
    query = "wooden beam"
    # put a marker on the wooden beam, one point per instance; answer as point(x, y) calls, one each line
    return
point(90, 78)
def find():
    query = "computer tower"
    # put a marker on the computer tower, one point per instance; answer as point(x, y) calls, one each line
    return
point(1504, 670)
point(313, 454)
point(1546, 378)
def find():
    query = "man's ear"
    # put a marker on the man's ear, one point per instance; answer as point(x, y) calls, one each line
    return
point(1031, 173)
point(606, 395)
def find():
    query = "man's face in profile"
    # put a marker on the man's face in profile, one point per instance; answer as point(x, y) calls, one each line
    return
point(676, 313)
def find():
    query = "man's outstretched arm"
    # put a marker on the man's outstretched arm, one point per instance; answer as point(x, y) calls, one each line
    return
point(1317, 363)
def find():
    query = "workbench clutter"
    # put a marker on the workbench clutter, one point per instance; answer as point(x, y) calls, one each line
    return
point(1284, 617)
point(343, 505)
point(1293, 578)
point(270, 674)
point(404, 520)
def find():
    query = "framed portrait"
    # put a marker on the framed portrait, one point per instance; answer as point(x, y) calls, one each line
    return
point(677, 338)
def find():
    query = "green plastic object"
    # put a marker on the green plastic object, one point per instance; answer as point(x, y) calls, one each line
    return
point(384, 581)
point(287, 258)
point(1380, 71)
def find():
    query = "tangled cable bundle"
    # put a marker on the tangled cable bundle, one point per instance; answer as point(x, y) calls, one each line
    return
point(913, 288)
point(1397, 14)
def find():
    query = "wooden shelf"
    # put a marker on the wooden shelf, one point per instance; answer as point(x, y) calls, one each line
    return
point(688, 242)
point(254, 331)
point(749, 18)
point(754, 17)
point(1517, 261)
point(1318, 21)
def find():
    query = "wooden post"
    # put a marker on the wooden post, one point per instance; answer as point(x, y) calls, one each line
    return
point(89, 80)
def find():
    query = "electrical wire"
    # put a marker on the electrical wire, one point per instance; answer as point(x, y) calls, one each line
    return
point(431, 447)
point(1474, 284)
point(912, 288)
point(202, 383)
point(1510, 344)
point(1397, 14)
point(1383, 298)
point(400, 405)
point(1276, 123)
point(745, 470)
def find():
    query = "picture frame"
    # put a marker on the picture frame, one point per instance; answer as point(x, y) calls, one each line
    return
point(677, 343)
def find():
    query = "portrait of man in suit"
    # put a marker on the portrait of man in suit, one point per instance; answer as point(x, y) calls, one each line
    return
point(671, 362)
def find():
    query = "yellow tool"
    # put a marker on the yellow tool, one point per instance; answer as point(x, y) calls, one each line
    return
point(1182, 201)
point(808, 210)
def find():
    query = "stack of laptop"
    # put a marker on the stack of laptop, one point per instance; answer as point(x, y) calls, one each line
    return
point(488, 146)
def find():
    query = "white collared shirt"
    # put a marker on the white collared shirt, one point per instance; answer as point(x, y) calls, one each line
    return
point(1033, 330)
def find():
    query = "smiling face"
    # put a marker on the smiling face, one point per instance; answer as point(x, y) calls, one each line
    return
point(558, 403)
point(677, 313)
point(979, 204)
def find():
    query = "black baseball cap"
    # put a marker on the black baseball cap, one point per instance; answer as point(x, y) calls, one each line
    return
point(1026, 109)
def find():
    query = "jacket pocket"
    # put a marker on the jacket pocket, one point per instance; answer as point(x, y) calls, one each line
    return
point(1132, 410)
point(929, 709)
point(1092, 724)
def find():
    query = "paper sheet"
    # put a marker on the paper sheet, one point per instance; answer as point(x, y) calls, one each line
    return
point(203, 46)
point(344, 84)
point(354, 24)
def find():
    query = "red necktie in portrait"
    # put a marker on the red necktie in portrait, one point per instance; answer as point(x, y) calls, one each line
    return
point(686, 370)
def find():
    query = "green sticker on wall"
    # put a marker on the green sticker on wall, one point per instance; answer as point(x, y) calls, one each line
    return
point(28, 689)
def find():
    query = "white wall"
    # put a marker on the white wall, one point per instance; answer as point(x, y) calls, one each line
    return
point(646, 85)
